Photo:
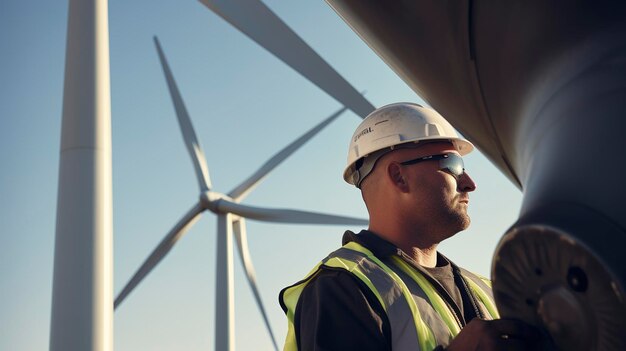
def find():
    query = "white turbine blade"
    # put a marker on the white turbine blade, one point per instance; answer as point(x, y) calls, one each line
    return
point(246, 186)
point(191, 141)
point(284, 215)
point(160, 251)
point(239, 228)
point(260, 24)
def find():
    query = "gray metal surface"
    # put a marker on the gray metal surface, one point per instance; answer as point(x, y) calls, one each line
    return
point(546, 271)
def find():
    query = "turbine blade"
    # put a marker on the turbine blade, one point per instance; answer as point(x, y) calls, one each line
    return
point(260, 24)
point(246, 186)
point(239, 227)
point(160, 251)
point(191, 141)
point(284, 215)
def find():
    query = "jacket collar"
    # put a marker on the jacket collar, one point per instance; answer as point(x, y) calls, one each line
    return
point(382, 248)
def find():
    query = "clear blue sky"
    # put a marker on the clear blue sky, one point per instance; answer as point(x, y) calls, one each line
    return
point(245, 105)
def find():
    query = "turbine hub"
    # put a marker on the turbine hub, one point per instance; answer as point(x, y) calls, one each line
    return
point(552, 272)
point(210, 200)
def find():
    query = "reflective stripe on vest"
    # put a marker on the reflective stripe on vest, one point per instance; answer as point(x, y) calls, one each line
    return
point(486, 300)
point(408, 328)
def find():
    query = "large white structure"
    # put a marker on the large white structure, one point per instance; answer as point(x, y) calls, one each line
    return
point(82, 296)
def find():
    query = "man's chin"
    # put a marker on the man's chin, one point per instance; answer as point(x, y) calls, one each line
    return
point(464, 221)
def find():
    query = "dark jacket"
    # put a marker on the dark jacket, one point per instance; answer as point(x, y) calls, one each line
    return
point(337, 311)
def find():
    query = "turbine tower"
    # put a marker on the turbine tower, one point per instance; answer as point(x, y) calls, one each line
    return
point(82, 291)
point(231, 219)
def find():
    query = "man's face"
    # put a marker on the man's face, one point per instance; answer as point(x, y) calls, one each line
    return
point(435, 198)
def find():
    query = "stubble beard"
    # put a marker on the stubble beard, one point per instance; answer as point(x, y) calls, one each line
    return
point(463, 219)
point(455, 219)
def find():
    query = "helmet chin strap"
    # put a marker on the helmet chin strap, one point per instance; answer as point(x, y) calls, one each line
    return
point(365, 166)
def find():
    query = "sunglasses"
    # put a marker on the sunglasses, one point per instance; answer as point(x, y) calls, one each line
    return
point(449, 163)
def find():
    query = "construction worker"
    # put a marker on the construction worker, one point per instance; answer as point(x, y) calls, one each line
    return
point(388, 288)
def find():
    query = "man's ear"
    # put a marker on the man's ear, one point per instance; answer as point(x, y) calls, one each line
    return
point(396, 176)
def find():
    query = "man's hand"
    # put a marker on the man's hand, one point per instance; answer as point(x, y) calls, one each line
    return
point(499, 334)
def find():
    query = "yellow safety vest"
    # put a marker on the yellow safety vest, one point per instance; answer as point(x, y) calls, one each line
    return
point(408, 302)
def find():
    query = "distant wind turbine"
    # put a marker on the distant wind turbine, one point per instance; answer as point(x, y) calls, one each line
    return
point(231, 214)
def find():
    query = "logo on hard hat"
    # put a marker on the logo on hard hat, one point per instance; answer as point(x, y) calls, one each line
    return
point(362, 133)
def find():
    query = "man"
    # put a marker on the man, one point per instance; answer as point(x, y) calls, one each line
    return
point(388, 288)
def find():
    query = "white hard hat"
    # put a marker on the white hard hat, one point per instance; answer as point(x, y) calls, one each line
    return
point(392, 125)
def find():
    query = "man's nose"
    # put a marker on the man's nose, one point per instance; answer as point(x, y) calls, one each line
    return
point(465, 183)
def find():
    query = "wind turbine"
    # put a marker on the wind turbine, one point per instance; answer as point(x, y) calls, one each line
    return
point(231, 219)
